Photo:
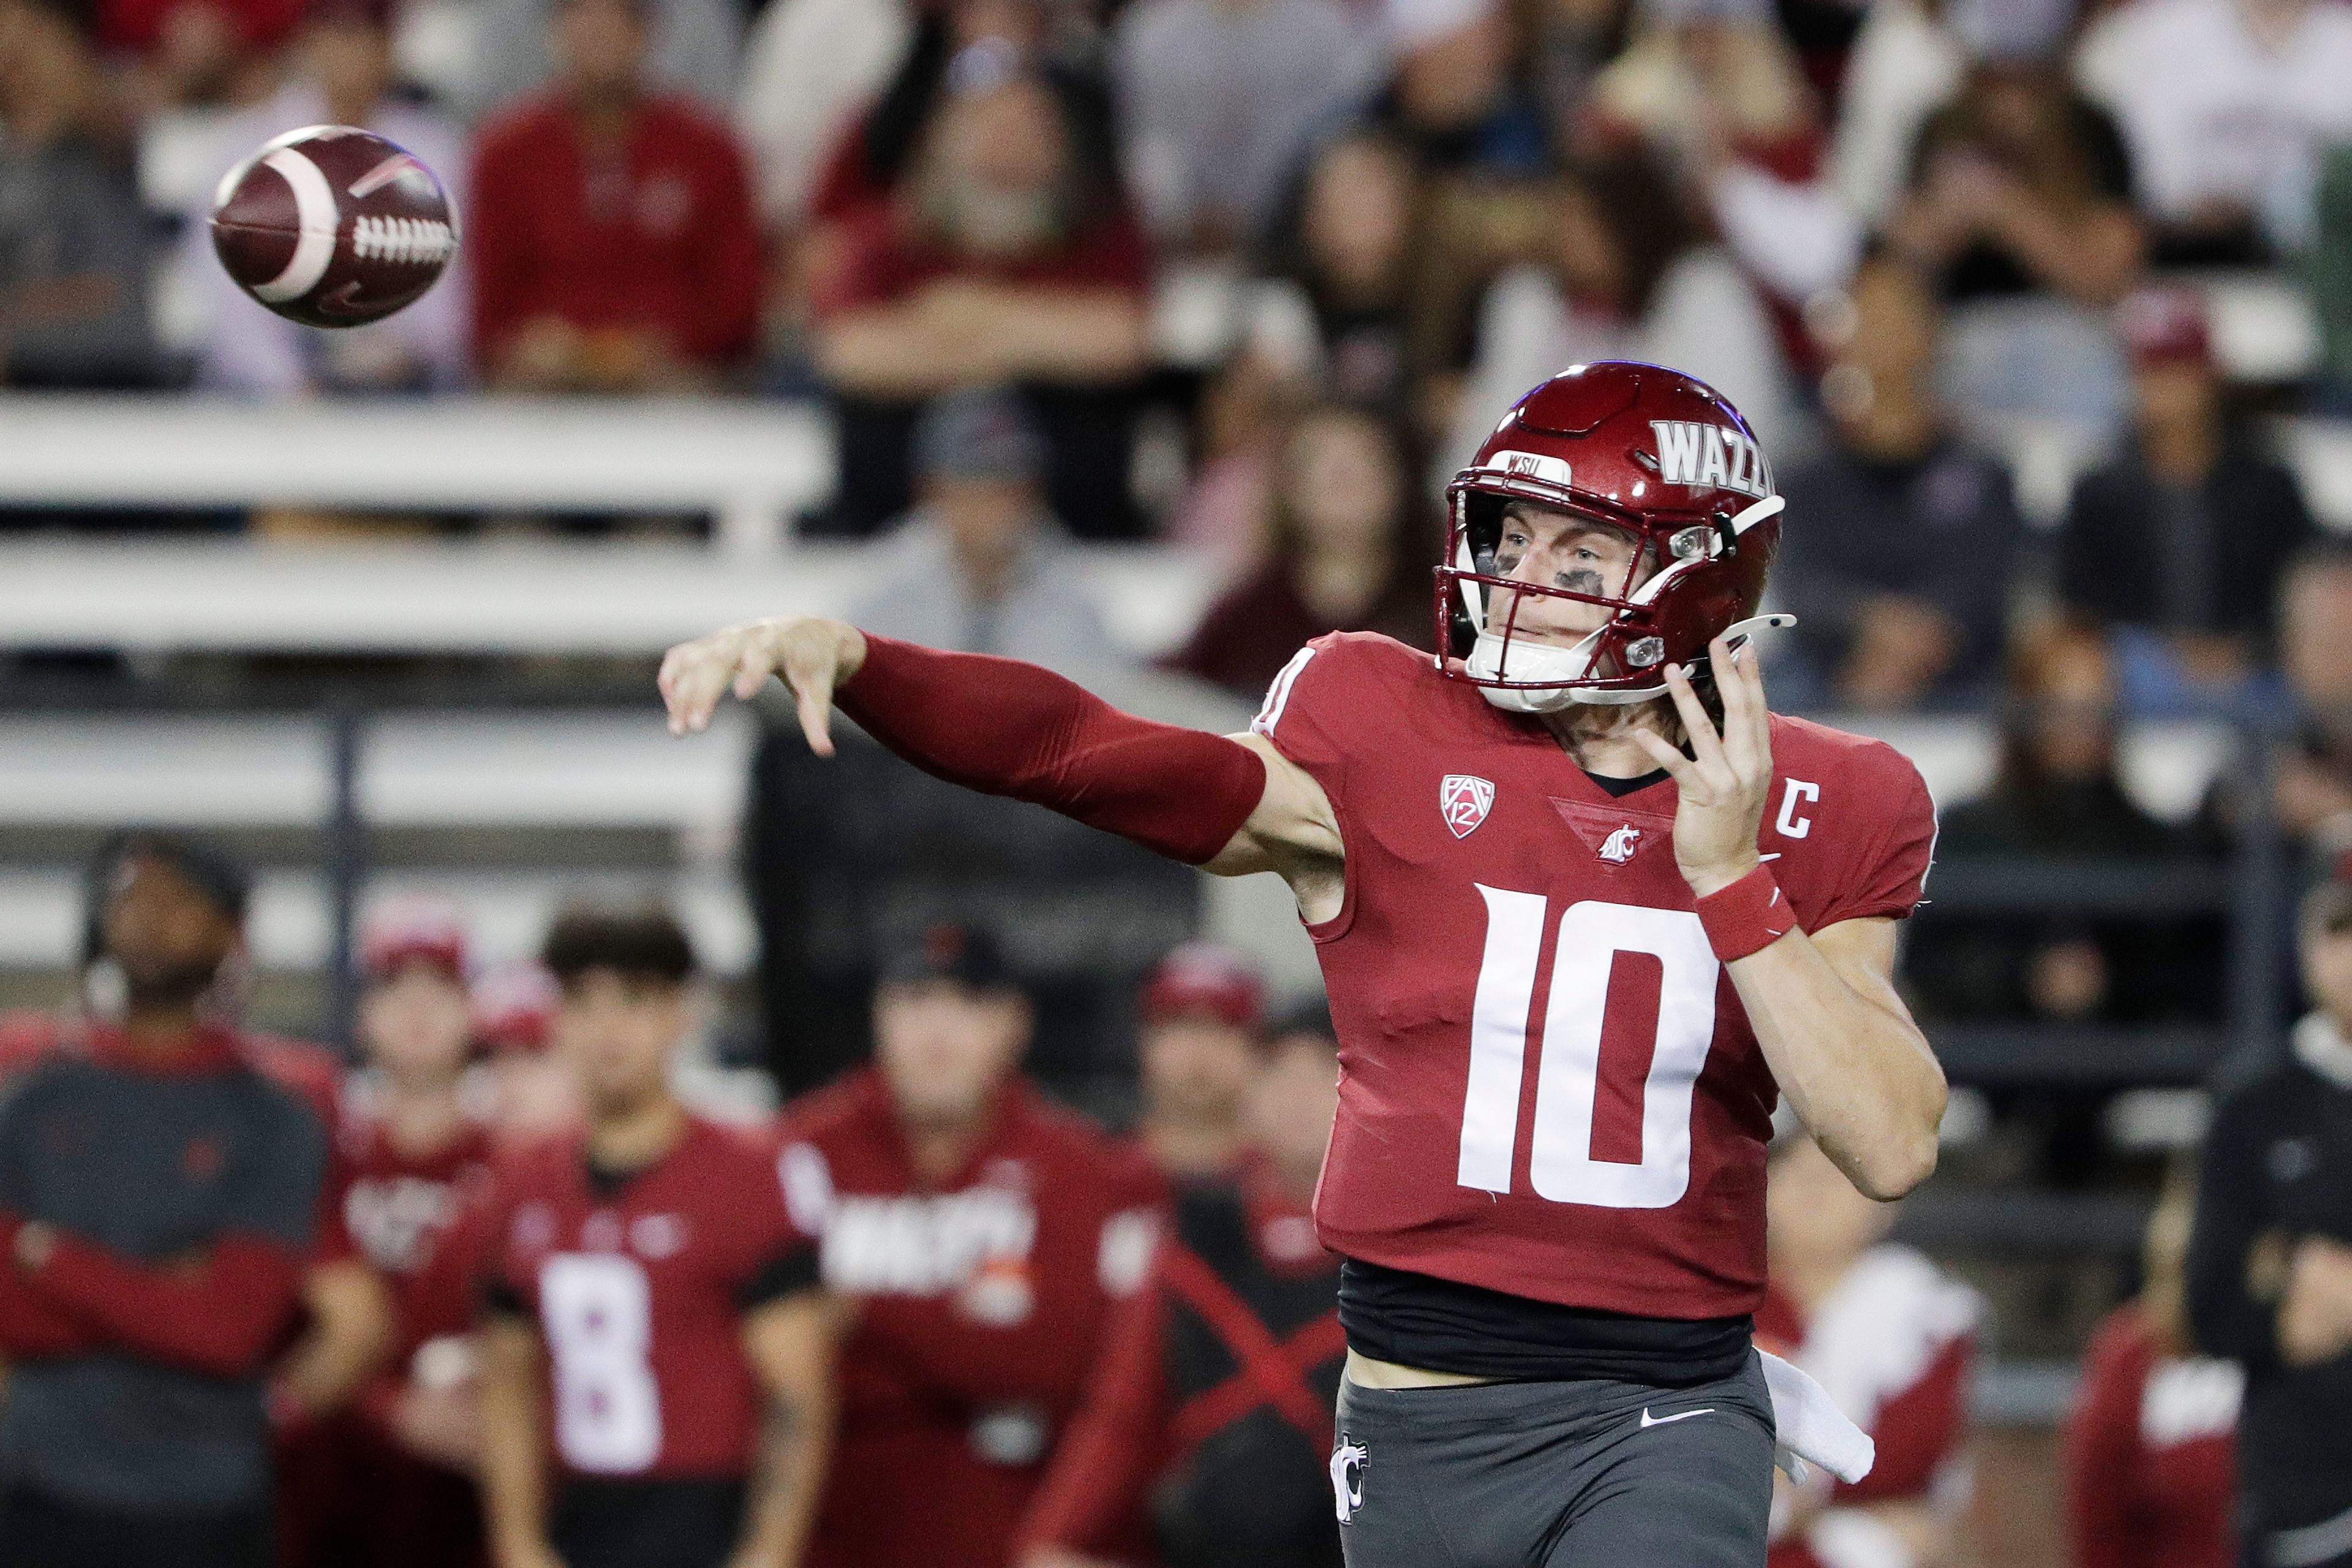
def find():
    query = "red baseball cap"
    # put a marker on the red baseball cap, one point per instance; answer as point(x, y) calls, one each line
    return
point(514, 1005)
point(1201, 978)
point(401, 932)
point(2166, 326)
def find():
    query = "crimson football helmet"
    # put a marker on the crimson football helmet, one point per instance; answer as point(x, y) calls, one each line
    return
point(1655, 454)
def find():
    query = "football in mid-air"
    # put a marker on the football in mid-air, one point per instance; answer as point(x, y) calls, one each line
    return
point(333, 226)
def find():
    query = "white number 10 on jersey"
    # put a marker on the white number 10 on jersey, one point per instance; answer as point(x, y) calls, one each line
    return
point(1676, 988)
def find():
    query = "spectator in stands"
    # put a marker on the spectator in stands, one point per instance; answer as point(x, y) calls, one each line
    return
point(2227, 106)
point(1900, 577)
point(1893, 1338)
point(983, 1236)
point(196, 54)
point(997, 260)
point(1216, 99)
point(345, 77)
point(2313, 797)
point(2178, 542)
point(1335, 310)
point(2057, 794)
point(1347, 553)
point(611, 228)
point(389, 1484)
point(1240, 1476)
point(657, 1357)
point(980, 564)
point(73, 245)
point(158, 1200)
point(692, 49)
point(2018, 206)
point(1453, 94)
point(1197, 1047)
point(2151, 1448)
point(1630, 279)
point(2270, 1258)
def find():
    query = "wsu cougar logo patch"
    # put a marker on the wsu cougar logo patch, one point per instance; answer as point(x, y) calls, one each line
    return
point(1619, 846)
point(1464, 799)
point(1348, 1476)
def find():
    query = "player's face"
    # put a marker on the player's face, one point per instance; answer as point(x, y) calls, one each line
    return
point(417, 1025)
point(944, 1048)
point(2327, 972)
point(599, 44)
point(1557, 550)
point(1196, 1069)
point(618, 1033)
point(169, 939)
point(1293, 1101)
point(1816, 1218)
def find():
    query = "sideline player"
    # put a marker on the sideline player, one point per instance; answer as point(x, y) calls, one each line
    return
point(984, 1238)
point(1585, 909)
point(647, 1268)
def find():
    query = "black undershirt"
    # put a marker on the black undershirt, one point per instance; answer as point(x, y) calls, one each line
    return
point(1440, 1325)
point(1413, 1320)
point(1627, 786)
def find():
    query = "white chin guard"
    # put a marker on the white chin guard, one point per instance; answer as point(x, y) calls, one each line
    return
point(1547, 670)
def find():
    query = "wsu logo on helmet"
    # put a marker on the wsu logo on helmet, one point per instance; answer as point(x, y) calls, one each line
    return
point(1464, 799)
point(1708, 456)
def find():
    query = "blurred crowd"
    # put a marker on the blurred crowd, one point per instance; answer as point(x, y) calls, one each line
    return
point(1252, 276)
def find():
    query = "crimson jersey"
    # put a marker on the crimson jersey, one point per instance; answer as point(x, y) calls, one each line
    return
point(1548, 1084)
point(2151, 1454)
point(638, 1290)
point(1893, 1342)
point(981, 1302)
point(396, 1210)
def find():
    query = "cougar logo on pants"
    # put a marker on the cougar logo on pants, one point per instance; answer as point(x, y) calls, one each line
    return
point(1348, 1462)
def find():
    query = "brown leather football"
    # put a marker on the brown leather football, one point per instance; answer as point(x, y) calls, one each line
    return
point(333, 226)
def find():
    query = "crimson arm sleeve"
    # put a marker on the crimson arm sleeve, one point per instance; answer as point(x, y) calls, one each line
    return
point(32, 1328)
point(221, 1319)
point(1115, 1442)
point(1002, 727)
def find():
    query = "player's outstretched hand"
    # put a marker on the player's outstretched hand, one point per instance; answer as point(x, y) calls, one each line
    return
point(813, 656)
point(1725, 780)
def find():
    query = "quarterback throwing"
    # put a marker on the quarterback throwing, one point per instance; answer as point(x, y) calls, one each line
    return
point(1585, 909)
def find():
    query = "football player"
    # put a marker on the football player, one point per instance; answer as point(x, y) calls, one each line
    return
point(388, 1481)
point(1585, 910)
point(983, 1236)
point(656, 1364)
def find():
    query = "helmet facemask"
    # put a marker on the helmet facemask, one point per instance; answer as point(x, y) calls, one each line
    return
point(1481, 610)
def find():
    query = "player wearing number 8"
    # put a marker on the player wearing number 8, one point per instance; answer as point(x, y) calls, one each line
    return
point(656, 1362)
point(1586, 910)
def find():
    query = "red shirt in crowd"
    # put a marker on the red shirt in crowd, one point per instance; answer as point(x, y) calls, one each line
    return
point(136, 26)
point(638, 1289)
point(883, 257)
point(982, 1303)
point(1892, 1342)
point(655, 233)
point(2151, 1454)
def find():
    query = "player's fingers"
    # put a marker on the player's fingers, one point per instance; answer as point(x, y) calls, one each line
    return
point(1706, 747)
point(1676, 765)
point(811, 679)
point(693, 676)
point(1751, 680)
point(1738, 712)
point(752, 671)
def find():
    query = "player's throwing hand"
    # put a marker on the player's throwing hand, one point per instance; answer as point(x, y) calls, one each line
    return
point(1723, 782)
point(813, 656)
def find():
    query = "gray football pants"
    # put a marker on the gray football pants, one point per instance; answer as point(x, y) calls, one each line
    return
point(1556, 1475)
